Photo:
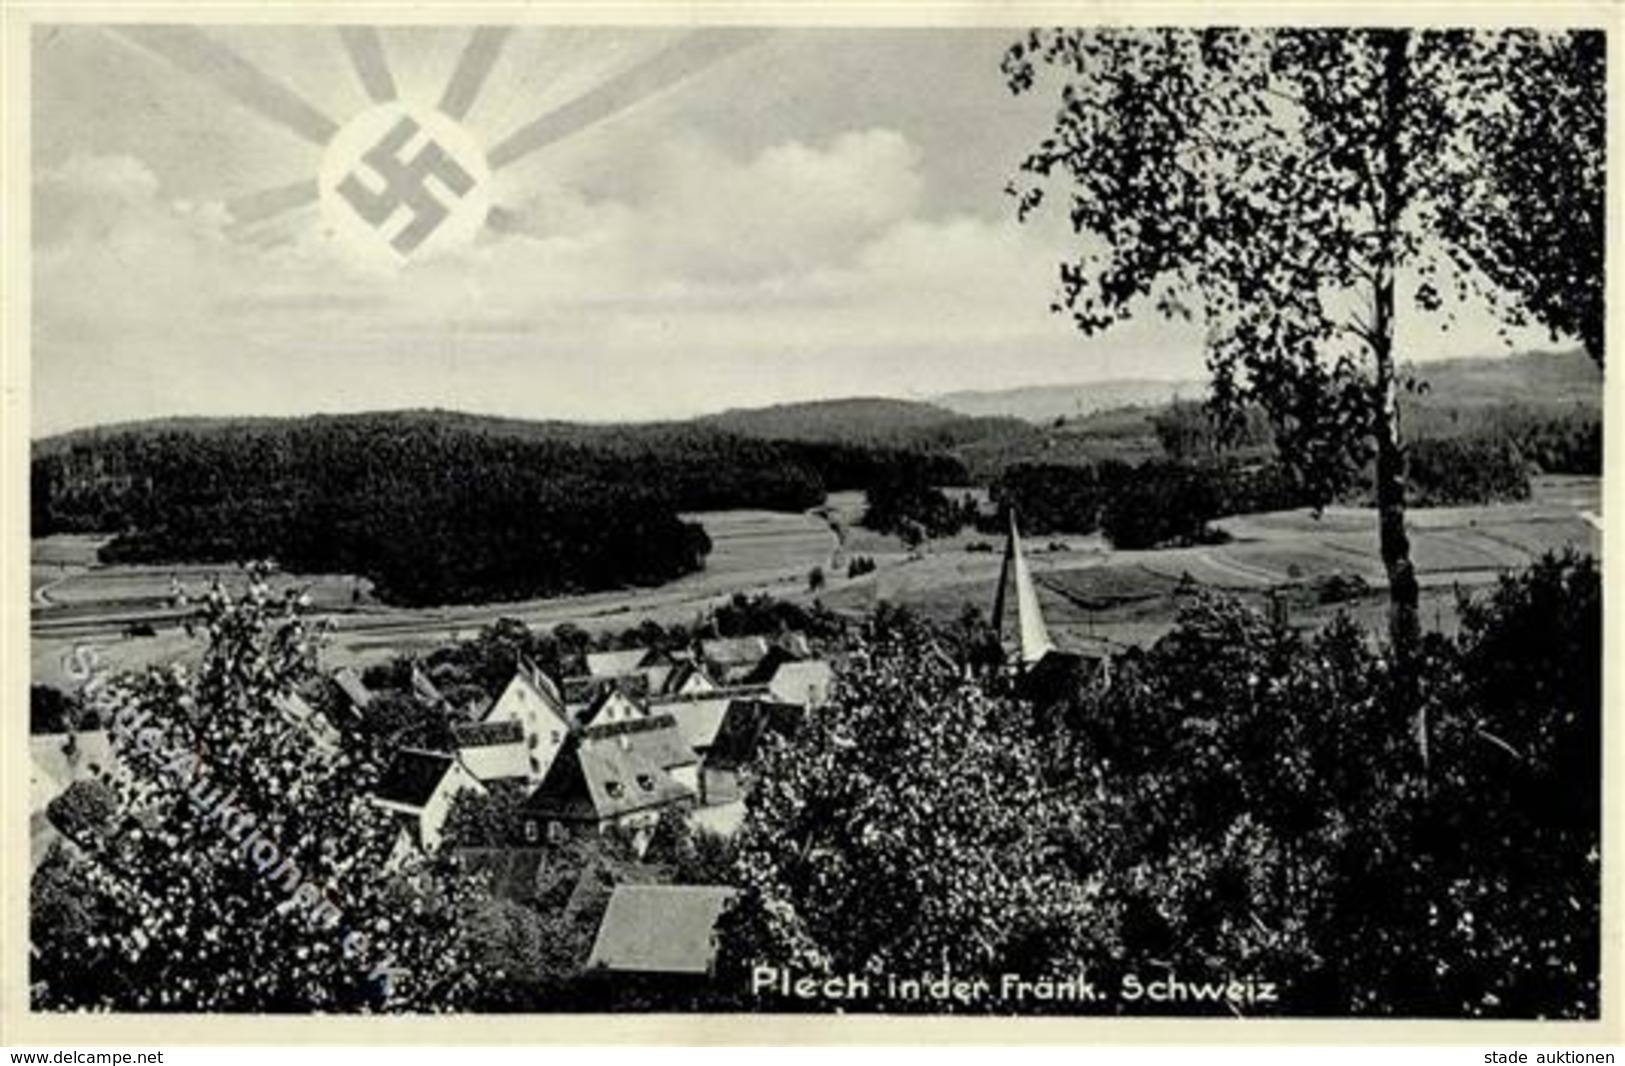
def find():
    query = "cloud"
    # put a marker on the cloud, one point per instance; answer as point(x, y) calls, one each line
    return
point(803, 269)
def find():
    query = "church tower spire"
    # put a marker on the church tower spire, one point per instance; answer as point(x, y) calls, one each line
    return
point(1032, 635)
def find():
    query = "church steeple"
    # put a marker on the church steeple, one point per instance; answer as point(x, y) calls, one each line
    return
point(1032, 635)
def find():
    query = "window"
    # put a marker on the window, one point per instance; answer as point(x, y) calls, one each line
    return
point(646, 782)
point(614, 789)
point(532, 831)
point(556, 833)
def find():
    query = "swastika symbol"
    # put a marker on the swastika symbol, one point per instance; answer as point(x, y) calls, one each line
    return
point(406, 183)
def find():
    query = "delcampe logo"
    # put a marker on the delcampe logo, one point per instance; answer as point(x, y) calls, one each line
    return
point(410, 176)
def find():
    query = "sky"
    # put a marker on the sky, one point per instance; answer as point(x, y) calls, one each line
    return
point(700, 224)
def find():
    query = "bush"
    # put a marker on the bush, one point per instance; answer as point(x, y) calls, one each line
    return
point(1465, 471)
point(900, 500)
point(1157, 503)
point(83, 809)
point(1242, 796)
point(50, 710)
point(1048, 498)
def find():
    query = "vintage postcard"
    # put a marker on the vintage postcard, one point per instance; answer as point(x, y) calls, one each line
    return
point(1082, 523)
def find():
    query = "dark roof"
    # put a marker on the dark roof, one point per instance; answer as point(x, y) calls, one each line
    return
point(681, 674)
point(660, 929)
point(739, 737)
point(579, 690)
point(1058, 676)
point(485, 734)
point(763, 671)
point(412, 776)
point(512, 870)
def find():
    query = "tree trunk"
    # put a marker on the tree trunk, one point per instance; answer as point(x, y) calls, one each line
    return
point(1404, 624)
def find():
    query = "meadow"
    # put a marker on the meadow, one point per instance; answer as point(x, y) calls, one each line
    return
point(1089, 591)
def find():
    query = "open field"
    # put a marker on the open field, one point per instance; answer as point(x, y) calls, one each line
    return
point(1131, 597)
point(80, 602)
point(1087, 589)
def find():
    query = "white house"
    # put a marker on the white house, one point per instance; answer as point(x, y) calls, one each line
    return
point(534, 701)
point(420, 785)
point(611, 706)
point(805, 682)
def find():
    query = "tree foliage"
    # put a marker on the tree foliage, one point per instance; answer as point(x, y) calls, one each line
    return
point(246, 869)
point(903, 830)
point(1241, 802)
point(1289, 189)
point(555, 509)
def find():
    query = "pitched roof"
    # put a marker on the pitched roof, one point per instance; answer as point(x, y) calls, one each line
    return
point(297, 711)
point(497, 762)
point(538, 684)
point(412, 776)
point(599, 778)
point(349, 684)
point(1032, 635)
point(424, 689)
point(541, 683)
point(583, 690)
point(605, 695)
point(603, 664)
point(807, 681)
point(699, 717)
point(739, 738)
point(796, 644)
point(734, 651)
point(660, 929)
point(656, 738)
point(683, 673)
point(768, 665)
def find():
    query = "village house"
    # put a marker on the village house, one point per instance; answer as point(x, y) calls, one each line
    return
point(532, 700)
point(608, 779)
point(611, 705)
point(355, 696)
point(419, 785)
point(660, 929)
point(731, 658)
point(604, 665)
point(638, 673)
point(699, 717)
point(494, 751)
point(297, 712)
point(656, 738)
point(738, 743)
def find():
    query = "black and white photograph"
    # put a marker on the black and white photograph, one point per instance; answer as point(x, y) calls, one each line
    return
point(1089, 520)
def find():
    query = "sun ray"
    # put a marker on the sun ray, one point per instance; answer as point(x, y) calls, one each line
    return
point(269, 203)
point(479, 56)
point(371, 63)
point(687, 57)
point(195, 53)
